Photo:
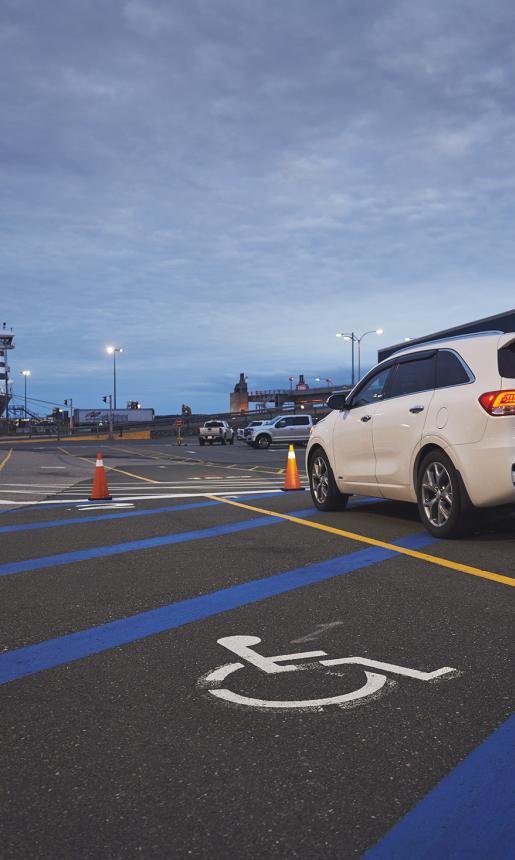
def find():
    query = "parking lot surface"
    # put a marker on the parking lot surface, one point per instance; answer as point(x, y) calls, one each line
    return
point(210, 667)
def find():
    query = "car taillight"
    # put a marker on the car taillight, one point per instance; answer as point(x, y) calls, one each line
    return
point(498, 402)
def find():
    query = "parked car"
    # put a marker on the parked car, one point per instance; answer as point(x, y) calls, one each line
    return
point(433, 424)
point(216, 431)
point(284, 428)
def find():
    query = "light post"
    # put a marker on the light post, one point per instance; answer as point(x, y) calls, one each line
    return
point(25, 373)
point(291, 378)
point(112, 350)
point(355, 339)
point(327, 379)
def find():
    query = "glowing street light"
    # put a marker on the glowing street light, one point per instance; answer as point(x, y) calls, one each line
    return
point(112, 350)
point(355, 339)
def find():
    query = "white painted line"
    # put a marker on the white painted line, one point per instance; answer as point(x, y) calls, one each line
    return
point(391, 667)
point(53, 467)
point(231, 494)
point(372, 686)
point(105, 506)
point(240, 645)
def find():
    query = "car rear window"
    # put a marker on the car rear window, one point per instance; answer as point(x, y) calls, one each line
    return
point(506, 360)
point(449, 370)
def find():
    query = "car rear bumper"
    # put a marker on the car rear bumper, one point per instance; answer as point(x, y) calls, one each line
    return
point(488, 470)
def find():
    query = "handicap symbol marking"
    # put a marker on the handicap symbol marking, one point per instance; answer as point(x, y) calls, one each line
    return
point(375, 683)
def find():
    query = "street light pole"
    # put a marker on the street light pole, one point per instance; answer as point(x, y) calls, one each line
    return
point(352, 337)
point(359, 339)
point(112, 350)
point(25, 373)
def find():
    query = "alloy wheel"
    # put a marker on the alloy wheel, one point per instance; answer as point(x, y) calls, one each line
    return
point(437, 494)
point(320, 480)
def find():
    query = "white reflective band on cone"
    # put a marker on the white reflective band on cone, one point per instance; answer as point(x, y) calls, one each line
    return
point(291, 455)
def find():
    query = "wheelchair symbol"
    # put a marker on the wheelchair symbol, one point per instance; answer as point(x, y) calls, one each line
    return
point(375, 684)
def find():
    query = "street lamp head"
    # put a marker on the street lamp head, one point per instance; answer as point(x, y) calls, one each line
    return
point(406, 339)
point(110, 349)
point(25, 372)
point(379, 331)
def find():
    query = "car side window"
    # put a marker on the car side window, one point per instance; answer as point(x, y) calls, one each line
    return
point(373, 390)
point(282, 423)
point(300, 421)
point(408, 377)
point(506, 359)
point(449, 370)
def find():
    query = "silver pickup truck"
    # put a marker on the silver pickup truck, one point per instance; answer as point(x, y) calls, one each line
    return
point(216, 431)
point(284, 428)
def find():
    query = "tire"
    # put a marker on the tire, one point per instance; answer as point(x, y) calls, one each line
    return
point(210, 441)
point(263, 441)
point(443, 503)
point(324, 492)
point(201, 441)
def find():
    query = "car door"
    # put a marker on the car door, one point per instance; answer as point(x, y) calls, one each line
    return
point(353, 448)
point(399, 422)
point(300, 429)
point(282, 430)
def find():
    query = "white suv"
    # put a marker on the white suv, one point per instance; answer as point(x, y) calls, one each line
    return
point(432, 424)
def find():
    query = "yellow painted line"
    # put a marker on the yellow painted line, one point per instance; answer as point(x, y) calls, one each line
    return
point(6, 458)
point(112, 468)
point(413, 553)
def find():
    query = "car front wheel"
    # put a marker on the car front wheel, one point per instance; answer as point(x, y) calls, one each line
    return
point(324, 491)
point(441, 499)
point(263, 441)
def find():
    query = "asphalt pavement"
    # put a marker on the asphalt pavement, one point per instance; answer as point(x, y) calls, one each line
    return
point(208, 667)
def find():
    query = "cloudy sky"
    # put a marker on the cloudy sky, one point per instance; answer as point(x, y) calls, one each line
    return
point(220, 185)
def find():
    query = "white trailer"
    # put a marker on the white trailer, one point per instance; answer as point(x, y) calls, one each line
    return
point(120, 416)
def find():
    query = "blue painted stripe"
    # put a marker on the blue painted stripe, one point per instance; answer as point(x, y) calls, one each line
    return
point(470, 815)
point(145, 512)
point(28, 527)
point(75, 646)
point(63, 558)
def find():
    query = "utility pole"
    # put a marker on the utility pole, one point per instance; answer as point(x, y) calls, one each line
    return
point(108, 398)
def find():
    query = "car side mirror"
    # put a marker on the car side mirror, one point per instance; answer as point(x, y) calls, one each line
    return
point(337, 401)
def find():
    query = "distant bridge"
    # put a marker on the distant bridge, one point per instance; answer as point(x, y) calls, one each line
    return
point(298, 397)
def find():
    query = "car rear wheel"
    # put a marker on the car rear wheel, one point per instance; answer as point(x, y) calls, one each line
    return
point(442, 501)
point(324, 492)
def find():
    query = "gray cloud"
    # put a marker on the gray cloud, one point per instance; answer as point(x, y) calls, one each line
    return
point(220, 186)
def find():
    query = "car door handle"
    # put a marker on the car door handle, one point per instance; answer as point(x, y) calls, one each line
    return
point(416, 409)
point(365, 418)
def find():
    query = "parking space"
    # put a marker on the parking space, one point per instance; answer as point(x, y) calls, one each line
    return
point(241, 675)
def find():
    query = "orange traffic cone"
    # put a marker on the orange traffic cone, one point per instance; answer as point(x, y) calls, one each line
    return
point(292, 482)
point(100, 490)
